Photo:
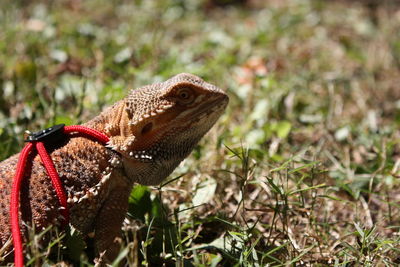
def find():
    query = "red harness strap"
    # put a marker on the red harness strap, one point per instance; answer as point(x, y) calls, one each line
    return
point(37, 140)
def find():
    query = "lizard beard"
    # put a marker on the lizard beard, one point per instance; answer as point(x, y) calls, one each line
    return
point(153, 172)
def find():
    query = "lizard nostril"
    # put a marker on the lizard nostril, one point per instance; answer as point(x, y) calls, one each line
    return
point(147, 128)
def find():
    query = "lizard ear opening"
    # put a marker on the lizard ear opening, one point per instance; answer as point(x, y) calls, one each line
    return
point(147, 128)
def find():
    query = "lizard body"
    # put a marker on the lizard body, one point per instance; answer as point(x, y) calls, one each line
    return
point(151, 131)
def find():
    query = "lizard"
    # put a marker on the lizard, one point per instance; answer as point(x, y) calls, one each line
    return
point(151, 131)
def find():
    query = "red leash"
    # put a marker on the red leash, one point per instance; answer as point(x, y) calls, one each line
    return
point(37, 140)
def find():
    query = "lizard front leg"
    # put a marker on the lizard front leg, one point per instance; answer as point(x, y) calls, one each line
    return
point(108, 223)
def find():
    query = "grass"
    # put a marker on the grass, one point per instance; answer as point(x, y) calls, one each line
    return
point(303, 169)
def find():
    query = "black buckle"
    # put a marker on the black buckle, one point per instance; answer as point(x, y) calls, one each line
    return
point(53, 133)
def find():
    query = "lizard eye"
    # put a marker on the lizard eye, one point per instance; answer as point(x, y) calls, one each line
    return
point(185, 95)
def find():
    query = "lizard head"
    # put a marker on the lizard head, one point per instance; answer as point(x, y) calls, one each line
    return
point(160, 124)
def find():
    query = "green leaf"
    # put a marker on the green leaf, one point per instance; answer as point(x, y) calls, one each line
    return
point(139, 202)
point(283, 129)
point(255, 137)
point(261, 110)
point(75, 244)
point(205, 192)
point(62, 119)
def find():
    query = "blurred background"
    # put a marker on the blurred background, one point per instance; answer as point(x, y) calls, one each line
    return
point(302, 170)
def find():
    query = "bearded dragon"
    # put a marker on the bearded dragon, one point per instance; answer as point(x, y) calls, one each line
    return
point(151, 131)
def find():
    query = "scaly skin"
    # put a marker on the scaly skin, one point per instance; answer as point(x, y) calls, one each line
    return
point(151, 131)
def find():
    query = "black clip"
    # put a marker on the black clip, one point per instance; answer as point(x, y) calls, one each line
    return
point(53, 133)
